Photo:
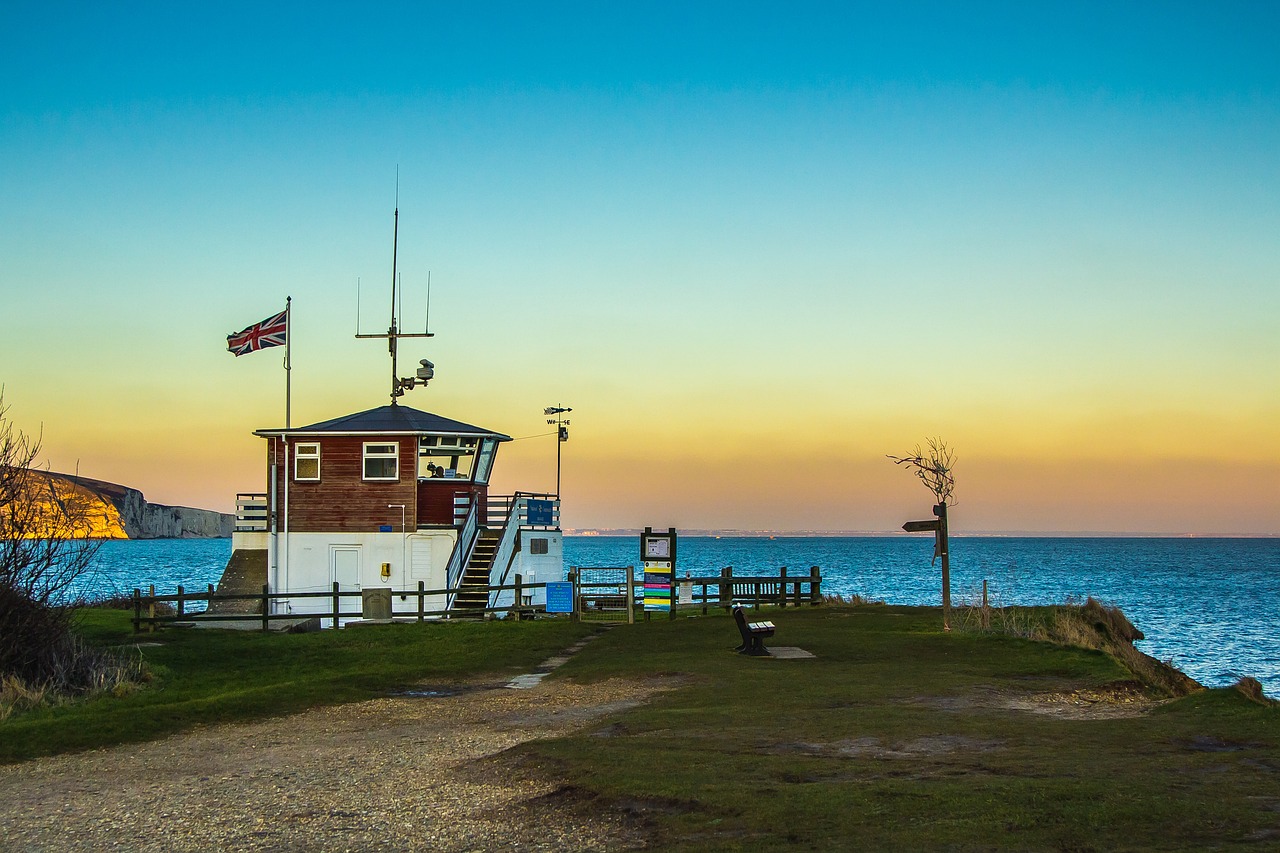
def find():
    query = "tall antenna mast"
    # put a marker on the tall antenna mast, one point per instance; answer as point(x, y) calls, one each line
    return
point(393, 333)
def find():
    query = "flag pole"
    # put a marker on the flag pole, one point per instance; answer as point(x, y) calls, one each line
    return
point(288, 363)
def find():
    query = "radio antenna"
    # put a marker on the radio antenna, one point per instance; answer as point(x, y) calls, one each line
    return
point(393, 333)
point(426, 325)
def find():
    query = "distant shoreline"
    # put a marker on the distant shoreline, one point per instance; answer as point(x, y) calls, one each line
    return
point(607, 532)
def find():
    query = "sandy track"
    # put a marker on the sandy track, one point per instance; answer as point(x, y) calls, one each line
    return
point(393, 774)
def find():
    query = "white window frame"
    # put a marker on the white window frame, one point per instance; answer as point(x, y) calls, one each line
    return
point(299, 456)
point(394, 455)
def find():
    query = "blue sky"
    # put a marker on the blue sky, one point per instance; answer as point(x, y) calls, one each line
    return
point(816, 233)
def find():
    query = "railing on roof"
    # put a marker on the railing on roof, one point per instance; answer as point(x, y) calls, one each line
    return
point(252, 513)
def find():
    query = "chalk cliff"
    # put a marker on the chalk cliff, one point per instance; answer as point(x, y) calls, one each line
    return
point(126, 514)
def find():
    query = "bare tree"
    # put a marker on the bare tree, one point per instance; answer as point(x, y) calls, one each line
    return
point(934, 467)
point(45, 525)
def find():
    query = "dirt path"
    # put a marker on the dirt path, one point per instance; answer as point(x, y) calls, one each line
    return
point(392, 774)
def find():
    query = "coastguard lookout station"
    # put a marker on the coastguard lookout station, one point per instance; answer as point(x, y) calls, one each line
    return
point(392, 498)
point(387, 498)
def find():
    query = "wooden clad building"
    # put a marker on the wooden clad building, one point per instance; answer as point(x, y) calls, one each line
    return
point(392, 497)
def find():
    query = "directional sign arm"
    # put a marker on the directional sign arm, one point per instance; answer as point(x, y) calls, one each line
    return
point(930, 526)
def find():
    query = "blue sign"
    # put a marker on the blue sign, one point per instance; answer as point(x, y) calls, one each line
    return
point(384, 528)
point(559, 597)
point(540, 515)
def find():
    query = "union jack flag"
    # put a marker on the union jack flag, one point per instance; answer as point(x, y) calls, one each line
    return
point(271, 332)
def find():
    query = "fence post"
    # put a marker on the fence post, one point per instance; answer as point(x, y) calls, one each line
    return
point(422, 607)
point(266, 607)
point(337, 603)
point(631, 595)
point(209, 607)
point(180, 607)
point(725, 593)
point(757, 594)
point(782, 587)
point(575, 614)
point(815, 586)
point(519, 602)
point(151, 609)
point(137, 610)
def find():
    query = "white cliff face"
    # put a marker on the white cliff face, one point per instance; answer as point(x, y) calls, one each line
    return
point(143, 520)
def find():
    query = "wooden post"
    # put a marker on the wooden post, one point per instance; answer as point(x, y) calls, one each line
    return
point(209, 606)
point(815, 586)
point(151, 608)
point(725, 593)
point(266, 607)
point(137, 610)
point(575, 614)
point(422, 600)
point(631, 595)
point(180, 607)
point(704, 596)
point(757, 595)
point(944, 551)
point(519, 602)
point(337, 603)
point(782, 587)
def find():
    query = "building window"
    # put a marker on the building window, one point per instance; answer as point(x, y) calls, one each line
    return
point(306, 462)
point(382, 461)
point(537, 546)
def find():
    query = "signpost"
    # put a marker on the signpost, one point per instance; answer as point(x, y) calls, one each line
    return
point(940, 549)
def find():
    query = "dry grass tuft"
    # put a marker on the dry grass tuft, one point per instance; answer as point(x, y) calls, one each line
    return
point(1251, 688)
point(853, 599)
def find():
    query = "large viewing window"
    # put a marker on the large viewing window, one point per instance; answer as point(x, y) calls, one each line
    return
point(448, 457)
point(381, 461)
point(306, 462)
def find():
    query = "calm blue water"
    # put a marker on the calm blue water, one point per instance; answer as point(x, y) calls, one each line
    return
point(1212, 606)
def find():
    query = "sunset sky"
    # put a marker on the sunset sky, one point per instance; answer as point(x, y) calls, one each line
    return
point(756, 247)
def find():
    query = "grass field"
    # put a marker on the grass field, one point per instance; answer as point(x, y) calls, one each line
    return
point(212, 676)
point(895, 735)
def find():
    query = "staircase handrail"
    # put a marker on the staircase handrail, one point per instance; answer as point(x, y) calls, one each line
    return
point(468, 534)
point(506, 550)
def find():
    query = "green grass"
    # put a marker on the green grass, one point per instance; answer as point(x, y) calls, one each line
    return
point(213, 676)
point(893, 738)
point(896, 736)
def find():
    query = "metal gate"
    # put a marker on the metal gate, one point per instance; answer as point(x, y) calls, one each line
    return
point(604, 593)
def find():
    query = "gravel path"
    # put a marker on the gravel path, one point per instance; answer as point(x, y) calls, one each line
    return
point(400, 773)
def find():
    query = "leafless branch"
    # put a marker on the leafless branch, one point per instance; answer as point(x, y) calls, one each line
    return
point(934, 466)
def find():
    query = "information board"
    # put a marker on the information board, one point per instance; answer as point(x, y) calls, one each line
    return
point(658, 554)
point(559, 597)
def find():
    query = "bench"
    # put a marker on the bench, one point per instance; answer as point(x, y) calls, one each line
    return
point(753, 634)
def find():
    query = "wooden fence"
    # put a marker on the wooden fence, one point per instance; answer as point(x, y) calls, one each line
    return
point(146, 612)
point(721, 591)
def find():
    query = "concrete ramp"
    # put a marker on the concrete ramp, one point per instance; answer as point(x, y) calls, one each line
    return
point(245, 574)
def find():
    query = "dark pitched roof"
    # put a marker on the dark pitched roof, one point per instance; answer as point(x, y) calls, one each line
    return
point(389, 419)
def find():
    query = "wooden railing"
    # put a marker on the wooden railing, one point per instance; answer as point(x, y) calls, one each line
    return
point(251, 511)
point(150, 610)
point(723, 591)
point(720, 591)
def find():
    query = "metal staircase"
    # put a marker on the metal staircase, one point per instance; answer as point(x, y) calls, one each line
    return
point(473, 591)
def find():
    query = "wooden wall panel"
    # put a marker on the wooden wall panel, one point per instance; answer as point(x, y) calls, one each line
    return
point(342, 501)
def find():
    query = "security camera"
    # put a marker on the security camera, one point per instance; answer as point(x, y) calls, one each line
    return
point(427, 371)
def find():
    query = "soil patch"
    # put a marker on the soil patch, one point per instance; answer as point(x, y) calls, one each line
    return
point(396, 773)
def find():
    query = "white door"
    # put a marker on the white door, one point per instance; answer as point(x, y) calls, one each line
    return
point(344, 566)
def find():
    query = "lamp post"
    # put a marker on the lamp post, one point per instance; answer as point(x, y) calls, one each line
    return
point(562, 434)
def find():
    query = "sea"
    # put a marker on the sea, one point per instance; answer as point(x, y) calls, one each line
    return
point(1211, 607)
